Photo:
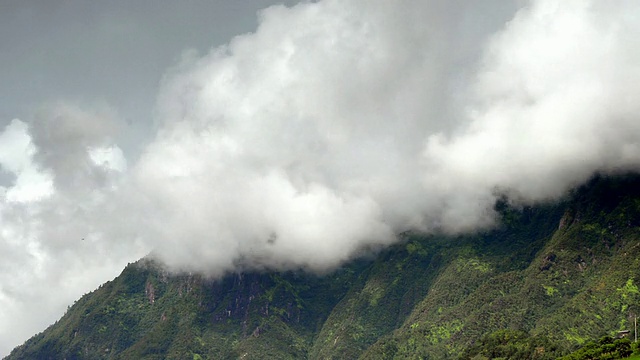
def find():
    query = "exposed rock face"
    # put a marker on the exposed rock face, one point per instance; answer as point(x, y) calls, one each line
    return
point(150, 292)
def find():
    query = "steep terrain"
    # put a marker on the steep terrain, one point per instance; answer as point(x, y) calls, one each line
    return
point(551, 278)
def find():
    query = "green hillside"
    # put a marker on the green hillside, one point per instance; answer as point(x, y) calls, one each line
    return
point(548, 281)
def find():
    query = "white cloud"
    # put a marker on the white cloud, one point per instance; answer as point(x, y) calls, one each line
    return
point(555, 101)
point(16, 157)
point(372, 111)
point(59, 236)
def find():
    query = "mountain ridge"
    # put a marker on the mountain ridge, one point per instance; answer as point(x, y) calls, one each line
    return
point(561, 273)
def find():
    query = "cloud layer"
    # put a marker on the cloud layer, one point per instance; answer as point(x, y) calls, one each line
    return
point(332, 128)
point(302, 148)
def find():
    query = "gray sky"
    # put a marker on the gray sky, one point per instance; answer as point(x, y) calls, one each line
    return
point(114, 52)
point(290, 141)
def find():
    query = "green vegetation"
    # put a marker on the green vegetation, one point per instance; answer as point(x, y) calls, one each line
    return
point(606, 348)
point(512, 344)
point(544, 285)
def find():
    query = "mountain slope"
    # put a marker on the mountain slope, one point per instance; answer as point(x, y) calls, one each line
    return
point(552, 277)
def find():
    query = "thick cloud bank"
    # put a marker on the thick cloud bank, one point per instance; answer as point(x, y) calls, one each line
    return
point(332, 128)
point(299, 148)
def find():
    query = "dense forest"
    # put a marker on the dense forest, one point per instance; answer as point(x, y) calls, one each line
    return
point(552, 280)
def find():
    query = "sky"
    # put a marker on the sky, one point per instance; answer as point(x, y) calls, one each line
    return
point(225, 136)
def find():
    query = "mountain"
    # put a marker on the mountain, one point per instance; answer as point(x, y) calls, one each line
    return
point(551, 278)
